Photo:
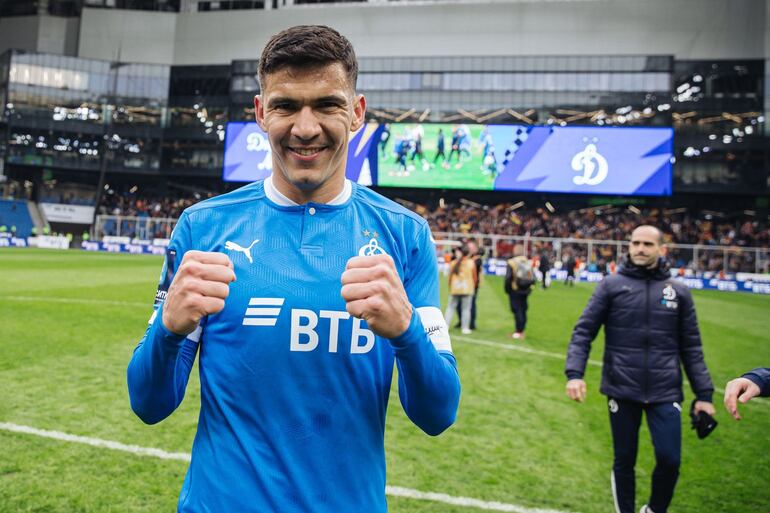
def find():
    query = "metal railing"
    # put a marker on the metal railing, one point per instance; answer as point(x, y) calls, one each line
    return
point(697, 257)
point(134, 227)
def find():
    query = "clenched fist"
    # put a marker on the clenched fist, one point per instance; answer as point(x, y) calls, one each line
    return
point(199, 288)
point(374, 292)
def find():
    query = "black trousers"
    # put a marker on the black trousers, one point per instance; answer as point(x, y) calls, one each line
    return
point(519, 308)
point(664, 422)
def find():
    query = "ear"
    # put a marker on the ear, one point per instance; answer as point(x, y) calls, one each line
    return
point(664, 250)
point(359, 113)
point(259, 112)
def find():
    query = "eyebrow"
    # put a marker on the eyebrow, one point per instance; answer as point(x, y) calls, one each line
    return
point(331, 98)
point(292, 101)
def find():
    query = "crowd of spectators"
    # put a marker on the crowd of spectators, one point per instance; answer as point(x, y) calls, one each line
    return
point(130, 204)
point(608, 223)
point(598, 223)
point(611, 223)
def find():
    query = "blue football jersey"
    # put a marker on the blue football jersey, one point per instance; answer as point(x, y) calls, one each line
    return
point(294, 390)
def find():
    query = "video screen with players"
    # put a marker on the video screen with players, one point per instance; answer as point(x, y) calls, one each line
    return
point(571, 159)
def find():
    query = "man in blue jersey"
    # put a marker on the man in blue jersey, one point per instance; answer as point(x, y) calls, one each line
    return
point(298, 293)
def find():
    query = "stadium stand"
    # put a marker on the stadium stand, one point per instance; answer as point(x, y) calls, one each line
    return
point(609, 224)
point(15, 213)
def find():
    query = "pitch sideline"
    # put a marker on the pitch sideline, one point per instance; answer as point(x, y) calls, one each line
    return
point(394, 491)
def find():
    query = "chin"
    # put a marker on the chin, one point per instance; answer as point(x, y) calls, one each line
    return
point(305, 179)
point(306, 184)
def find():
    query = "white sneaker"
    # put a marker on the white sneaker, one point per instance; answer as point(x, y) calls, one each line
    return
point(646, 509)
point(466, 331)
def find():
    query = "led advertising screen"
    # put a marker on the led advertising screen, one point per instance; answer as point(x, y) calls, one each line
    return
point(572, 159)
point(248, 156)
point(588, 160)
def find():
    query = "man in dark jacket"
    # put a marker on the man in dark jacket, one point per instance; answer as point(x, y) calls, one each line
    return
point(544, 266)
point(519, 280)
point(743, 389)
point(650, 330)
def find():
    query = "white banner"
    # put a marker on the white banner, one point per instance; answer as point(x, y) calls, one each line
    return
point(49, 242)
point(58, 213)
point(114, 239)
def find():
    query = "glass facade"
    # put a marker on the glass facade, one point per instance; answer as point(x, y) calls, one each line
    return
point(718, 114)
point(64, 112)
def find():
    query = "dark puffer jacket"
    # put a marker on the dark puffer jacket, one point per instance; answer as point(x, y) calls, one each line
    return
point(761, 377)
point(650, 329)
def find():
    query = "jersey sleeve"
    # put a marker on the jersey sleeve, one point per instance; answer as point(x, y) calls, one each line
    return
point(160, 367)
point(422, 288)
point(428, 381)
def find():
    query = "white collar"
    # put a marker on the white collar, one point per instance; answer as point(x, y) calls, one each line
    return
point(278, 198)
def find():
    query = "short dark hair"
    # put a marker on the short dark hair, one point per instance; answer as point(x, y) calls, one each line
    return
point(308, 46)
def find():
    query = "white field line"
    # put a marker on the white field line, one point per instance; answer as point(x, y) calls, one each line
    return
point(395, 491)
point(45, 299)
point(96, 442)
point(562, 357)
point(467, 502)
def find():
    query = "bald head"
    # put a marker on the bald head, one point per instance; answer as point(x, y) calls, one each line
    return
point(649, 229)
point(646, 246)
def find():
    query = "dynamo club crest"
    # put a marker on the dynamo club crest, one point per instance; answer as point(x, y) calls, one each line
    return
point(592, 164)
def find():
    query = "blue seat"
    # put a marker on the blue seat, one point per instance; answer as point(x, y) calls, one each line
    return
point(15, 213)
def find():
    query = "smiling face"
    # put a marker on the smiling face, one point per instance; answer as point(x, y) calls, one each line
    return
point(645, 247)
point(308, 114)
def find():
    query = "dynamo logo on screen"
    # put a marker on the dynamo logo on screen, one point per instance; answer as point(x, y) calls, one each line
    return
point(258, 143)
point(247, 153)
point(592, 164)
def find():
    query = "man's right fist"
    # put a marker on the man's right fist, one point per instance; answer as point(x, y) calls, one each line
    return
point(199, 288)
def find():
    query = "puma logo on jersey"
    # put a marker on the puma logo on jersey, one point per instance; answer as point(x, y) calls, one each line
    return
point(234, 246)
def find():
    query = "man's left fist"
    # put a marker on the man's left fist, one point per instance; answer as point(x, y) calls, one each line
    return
point(374, 292)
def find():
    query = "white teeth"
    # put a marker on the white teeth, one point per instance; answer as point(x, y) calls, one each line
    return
point(306, 152)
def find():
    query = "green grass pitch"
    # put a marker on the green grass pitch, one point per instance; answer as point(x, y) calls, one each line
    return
point(469, 174)
point(70, 321)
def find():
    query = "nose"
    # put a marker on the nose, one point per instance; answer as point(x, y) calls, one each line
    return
point(306, 126)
